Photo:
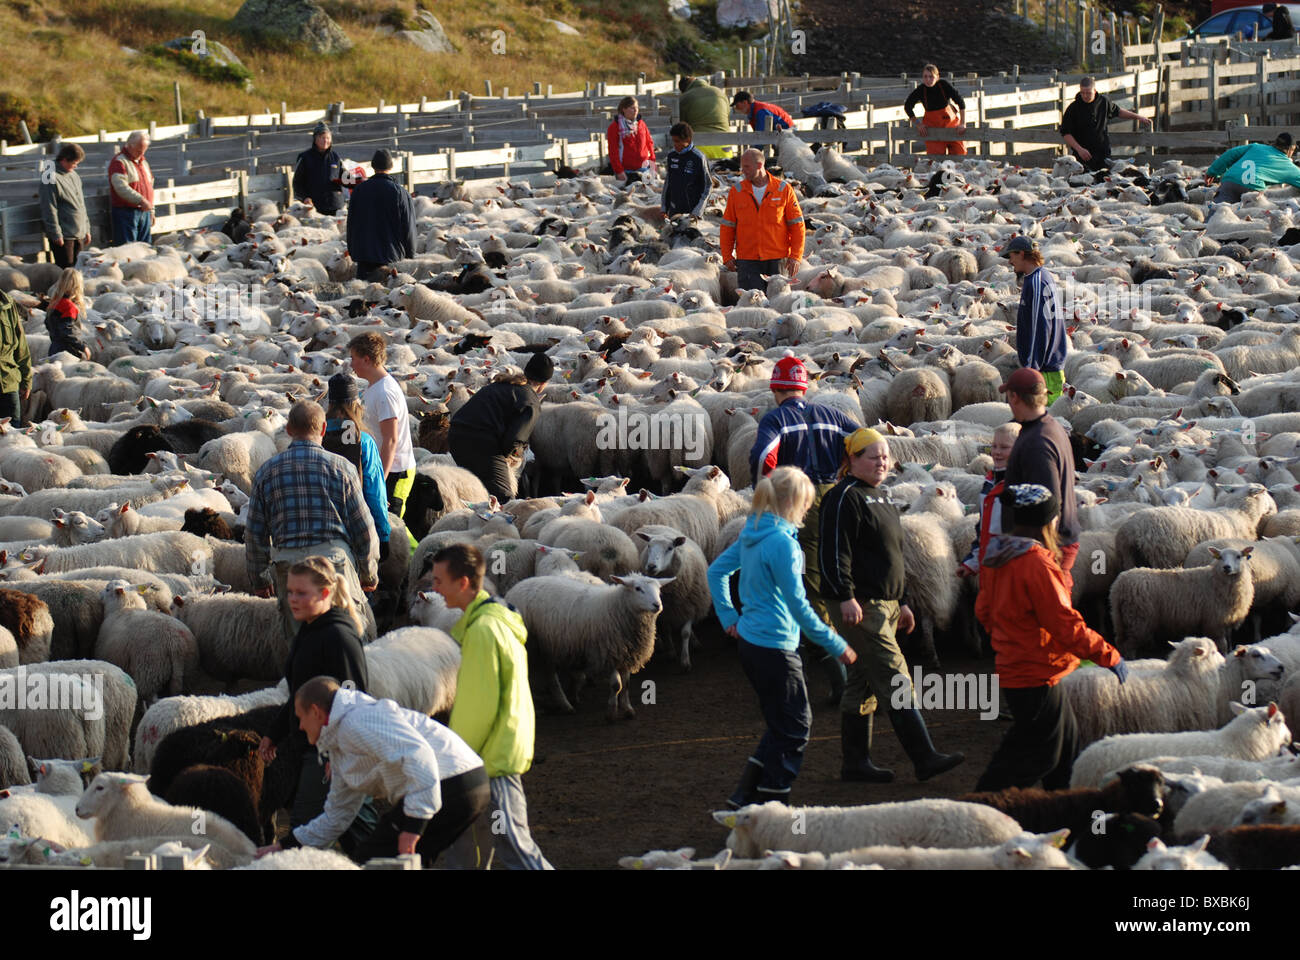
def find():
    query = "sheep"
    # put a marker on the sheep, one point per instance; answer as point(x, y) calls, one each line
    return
point(118, 703)
point(36, 815)
point(667, 553)
point(512, 561)
point(1219, 807)
point(920, 393)
point(1191, 857)
point(1025, 851)
point(61, 715)
point(122, 521)
point(1229, 769)
point(1115, 840)
point(238, 636)
point(219, 791)
point(27, 621)
point(1163, 538)
point(302, 858)
point(200, 853)
point(602, 550)
point(1134, 790)
point(174, 713)
point(608, 631)
point(156, 650)
point(694, 511)
point(429, 609)
point(237, 456)
point(8, 649)
point(1253, 734)
point(1264, 847)
point(165, 552)
point(415, 666)
point(947, 824)
point(37, 470)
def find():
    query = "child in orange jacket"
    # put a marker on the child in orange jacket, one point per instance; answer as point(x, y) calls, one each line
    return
point(1038, 637)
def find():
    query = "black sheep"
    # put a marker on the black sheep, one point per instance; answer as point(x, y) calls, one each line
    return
point(1264, 847)
point(129, 453)
point(1135, 790)
point(216, 790)
point(423, 505)
point(1117, 840)
point(188, 435)
point(206, 522)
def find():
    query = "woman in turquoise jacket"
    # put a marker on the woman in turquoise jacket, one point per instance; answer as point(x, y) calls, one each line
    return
point(776, 609)
point(1253, 166)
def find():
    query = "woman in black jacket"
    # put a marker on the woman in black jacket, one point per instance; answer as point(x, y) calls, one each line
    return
point(327, 644)
point(494, 426)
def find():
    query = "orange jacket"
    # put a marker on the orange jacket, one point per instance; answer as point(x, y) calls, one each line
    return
point(773, 233)
point(1038, 637)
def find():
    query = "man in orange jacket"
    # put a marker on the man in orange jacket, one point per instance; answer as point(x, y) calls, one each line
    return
point(762, 227)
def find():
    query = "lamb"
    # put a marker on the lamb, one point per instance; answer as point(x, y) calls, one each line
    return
point(947, 824)
point(122, 521)
point(1191, 857)
point(61, 716)
point(1134, 790)
point(1163, 538)
point(302, 858)
point(1264, 847)
point(156, 650)
point(237, 456)
point(694, 511)
point(37, 470)
point(1253, 734)
point(174, 713)
point(416, 666)
point(36, 815)
point(1025, 851)
point(918, 394)
point(1229, 769)
point(27, 621)
point(667, 553)
point(512, 561)
point(217, 790)
point(1115, 840)
point(165, 552)
point(1220, 807)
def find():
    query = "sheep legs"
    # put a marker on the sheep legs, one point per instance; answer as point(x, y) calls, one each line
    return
point(556, 691)
point(684, 657)
point(620, 700)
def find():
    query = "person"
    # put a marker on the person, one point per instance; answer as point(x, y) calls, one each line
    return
point(381, 221)
point(762, 228)
point(493, 427)
point(1038, 638)
point(1042, 455)
point(1280, 16)
point(1004, 438)
point(704, 108)
point(436, 783)
point(63, 206)
point(131, 191)
point(318, 173)
point(1253, 166)
point(63, 318)
point(345, 435)
point(762, 117)
point(774, 608)
point(15, 360)
point(328, 643)
point(686, 175)
point(942, 108)
point(387, 417)
point(493, 712)
point(861, 564)
point(1040, 322)
point(631, 149)
point(307, 501)
point(1084, 123)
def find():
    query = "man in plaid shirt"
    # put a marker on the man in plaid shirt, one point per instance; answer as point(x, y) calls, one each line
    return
point(308, 502)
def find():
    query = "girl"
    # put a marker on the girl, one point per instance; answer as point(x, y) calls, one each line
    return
point(1038, 638)
point(944, 108)
point(631, 150)
point(63, 319)
point(770, 561)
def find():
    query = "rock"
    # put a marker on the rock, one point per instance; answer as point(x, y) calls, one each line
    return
point(299, 22)
point(563, 28)
point(679, 9)
point(219, 53)
point(741, 13)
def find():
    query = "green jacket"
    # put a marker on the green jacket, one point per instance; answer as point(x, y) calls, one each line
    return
point(15, 358)
point(705, 108)
point(493, 712)
point(1255, 166)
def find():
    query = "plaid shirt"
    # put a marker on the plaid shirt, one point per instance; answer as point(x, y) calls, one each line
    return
point(306, 496)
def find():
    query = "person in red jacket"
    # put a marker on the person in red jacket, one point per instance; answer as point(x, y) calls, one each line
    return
point(131, 191)
point(631, 149)
point(762, 116)
point(1038, 638)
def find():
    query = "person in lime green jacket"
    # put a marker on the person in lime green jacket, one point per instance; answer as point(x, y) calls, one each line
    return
point(1254, 166)
point(493, 711)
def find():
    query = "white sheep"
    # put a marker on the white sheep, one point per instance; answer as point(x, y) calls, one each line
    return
point(1220, 807)
point(157, 651)
point(238, 636)
point(667, 552)
point(302, 858)
point(1026, 851)
point(120, 520)
point(1191, 857)
point(165, 552)
point(37, 815)
point(237, 456)
point(416, 666)
point(1163, 538)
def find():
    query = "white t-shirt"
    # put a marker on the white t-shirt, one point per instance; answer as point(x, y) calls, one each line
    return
point(384, 400)
point(758, 193)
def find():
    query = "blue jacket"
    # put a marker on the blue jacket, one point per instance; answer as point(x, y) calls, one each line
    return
point(1040, 324)
point(1256, 166)
point(686, 182)
point(776, 608)
point(381, 221)
point(800, 434)
point(372, 480)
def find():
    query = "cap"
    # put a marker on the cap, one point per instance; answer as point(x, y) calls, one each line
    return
point(539, 368)
point(1025, 381)
point(321, 127)
point(1031, 504)
point(382, 160)
point(342, 388)
point(1019, 244)
point(860, 439)
point(789, 374)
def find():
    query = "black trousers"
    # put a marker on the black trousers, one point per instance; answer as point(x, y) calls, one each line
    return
point(66, 255)
point(464, 799)
point(477, 454)
point(1041, 744)
point(750, 273)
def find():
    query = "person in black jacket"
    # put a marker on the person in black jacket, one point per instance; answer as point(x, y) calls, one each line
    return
point(327, 644)
point(1283, 29)
point(381, 221)
point(496, 423)
point(861, 559)
point(318, 173)
point(1084, 124)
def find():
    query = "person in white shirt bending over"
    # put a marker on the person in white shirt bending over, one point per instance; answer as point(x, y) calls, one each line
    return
point(387, 418)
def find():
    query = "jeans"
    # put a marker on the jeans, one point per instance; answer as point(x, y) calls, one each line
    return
point(1041, 744)
point(11, 406)
point(130, 225)
point(1230, 192)
point(777, 678)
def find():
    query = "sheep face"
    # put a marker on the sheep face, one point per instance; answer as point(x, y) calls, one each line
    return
point(644, 591)
point(80, 528)
point(1258, 663)
point(1231, 562)
point(104, 792)
point(1270, 808)
point(660, 553)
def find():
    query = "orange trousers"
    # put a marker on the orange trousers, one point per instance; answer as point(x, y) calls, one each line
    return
point(942, 118)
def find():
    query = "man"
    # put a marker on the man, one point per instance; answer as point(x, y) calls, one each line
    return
point(387, 417)
point(1253, 166)
point(381, 221)
point(762, 227)
point(308, 501)
point(1283, 29)
point(493, 712)
point(131, 191)
point(435, 782)
point(763, 117)
point(686, 175)
point(1083, 127)
point(15, 361)
point(704, 107)
point(494, 425)
point(63, 206)
point(318, 173)
point(1040, 321)
point(1042, 455)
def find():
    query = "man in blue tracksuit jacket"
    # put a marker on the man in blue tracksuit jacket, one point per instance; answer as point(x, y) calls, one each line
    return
point(1040, 322)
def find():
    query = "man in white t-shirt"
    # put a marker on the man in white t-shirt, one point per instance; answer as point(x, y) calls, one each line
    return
point(387, 418)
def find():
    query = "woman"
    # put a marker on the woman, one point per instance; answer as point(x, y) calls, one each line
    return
point(63, 319)
point(944, 109)
point(861, 560)
point(327, 644)
point(631, 150)
point(345, 434)
point(770, 562)
point(1038, 638)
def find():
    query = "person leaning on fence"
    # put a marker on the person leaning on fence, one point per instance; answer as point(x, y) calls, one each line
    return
point(1283, 29)
point(704, 107)
point(861, 565)
point(388, 419)
point(1085, 122)
point(686, 175)
point(63, 318)
point(631, 148)
point(345, 435)
point(762, 228)
point(381, 221)
point(763, 117)
point(63, 206)
point(943, 109)
point(1253, 166)
point(1040, 321)
point(774, 609)
point(318, 173)
point(130, 182)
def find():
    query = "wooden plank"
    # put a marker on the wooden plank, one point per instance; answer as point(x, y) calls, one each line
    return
point(195, 193)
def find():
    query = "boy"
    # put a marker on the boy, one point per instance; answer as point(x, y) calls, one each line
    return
point(686, 181)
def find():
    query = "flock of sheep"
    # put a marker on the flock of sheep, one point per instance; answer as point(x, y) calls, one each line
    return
point(121, 506)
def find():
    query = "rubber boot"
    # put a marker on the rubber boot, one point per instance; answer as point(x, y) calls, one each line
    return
point(746, 791)
point(915, 738)
point(855, 741)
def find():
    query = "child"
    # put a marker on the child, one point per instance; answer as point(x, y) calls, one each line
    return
point(1004, 438)
point(631, 150)
point(63, 319)
point(770, 562)
point(1038, 638)
point(686, 178)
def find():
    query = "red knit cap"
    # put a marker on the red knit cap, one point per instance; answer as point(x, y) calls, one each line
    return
point(789, 374)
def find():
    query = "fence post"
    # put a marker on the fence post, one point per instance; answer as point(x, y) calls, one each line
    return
point(1214, 93)
point(451, 164)
point(242, 177)
point(171, 206)
point(1261, 69)
point(287, 173)
point(4, 229)
point(408, 177)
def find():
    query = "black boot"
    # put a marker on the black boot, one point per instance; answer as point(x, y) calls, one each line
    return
point(929, 762)
point(855, 741)
point(746, 791)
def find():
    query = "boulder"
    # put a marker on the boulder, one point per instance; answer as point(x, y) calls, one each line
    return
point(741, 13)
point(563, 28)
point(212, 51)
point(297, 22)
point(431, 38)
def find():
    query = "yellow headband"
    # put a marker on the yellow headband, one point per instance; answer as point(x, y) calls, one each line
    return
point(860, 439)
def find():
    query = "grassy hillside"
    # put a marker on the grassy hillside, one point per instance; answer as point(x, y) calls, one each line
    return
point(80, 80)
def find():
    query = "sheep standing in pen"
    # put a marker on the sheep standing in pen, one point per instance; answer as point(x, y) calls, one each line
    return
point(668, 553)
point(173, 713)
point(157, 651)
